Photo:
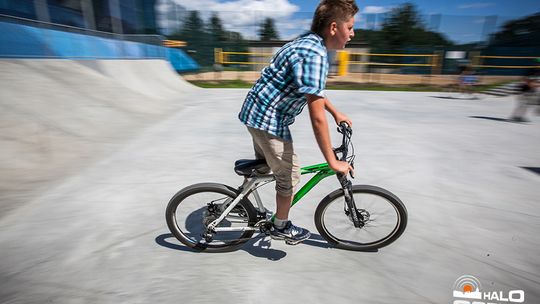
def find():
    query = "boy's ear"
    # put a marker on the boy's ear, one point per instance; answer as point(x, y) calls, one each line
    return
point(333, 28)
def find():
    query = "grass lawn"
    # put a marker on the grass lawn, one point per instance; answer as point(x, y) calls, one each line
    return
point(240, 84)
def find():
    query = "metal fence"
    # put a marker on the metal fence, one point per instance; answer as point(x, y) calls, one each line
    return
point(470, 36)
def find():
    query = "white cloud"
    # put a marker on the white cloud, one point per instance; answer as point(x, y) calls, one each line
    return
point(243, 12)
point(290, 30)
point(476, 5)
point(244, 16)
point(376, 9)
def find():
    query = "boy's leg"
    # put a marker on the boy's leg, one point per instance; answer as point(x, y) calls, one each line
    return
point(280, 157)
point(259, 154)
point(283, 205)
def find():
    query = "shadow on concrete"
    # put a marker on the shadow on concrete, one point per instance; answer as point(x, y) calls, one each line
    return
point(162, 240)
point(456, 98)
point(532, 169)
point(258, 246)
point(255, 247)
point(493, 118)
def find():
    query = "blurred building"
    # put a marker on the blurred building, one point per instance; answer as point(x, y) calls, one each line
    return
point(114, 16)
point(170, 16)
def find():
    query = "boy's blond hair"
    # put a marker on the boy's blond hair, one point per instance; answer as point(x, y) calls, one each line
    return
point(330, 11)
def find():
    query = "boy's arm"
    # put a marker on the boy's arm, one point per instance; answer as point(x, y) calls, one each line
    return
point(317, 106)
point(338, 116)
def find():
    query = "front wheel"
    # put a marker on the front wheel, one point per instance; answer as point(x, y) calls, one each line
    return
point(383, 217)
point(193, 208)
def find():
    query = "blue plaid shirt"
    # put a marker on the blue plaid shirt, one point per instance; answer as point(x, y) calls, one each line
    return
point(300, 67)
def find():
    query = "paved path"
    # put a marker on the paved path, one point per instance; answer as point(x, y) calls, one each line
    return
point(99, 236)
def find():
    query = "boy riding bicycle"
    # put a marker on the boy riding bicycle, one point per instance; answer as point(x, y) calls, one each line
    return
point(295, 77)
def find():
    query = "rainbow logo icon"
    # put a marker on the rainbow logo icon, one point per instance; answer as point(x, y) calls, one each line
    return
point(467, 287)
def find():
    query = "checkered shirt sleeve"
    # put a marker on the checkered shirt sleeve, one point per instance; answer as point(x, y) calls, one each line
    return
point(310, 74)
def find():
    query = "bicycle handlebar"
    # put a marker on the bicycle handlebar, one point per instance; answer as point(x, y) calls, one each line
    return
point(344, 125)
point(346, 131)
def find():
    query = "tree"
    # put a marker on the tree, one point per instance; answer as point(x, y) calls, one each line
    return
point(215, 30)
point(267, 30)
point(194, 34)
point(399, 28)
point(524, 32)
point(404, 28)
point(192, 30)
point(373, 38)
point(203, 38)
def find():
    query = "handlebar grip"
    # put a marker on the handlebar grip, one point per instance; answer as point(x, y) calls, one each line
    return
point(344, 128)
point(344, 124)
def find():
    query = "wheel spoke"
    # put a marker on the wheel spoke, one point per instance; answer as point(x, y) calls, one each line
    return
point(382, 217)
point(190, 214)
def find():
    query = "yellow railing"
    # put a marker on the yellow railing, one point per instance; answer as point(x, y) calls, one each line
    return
point(222, 57)
point(433, 61)
point(478, 60)
point(396, 55)
point(174, 43)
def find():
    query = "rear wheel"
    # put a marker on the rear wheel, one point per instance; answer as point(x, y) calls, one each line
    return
point(383, 217)
point(191, 210)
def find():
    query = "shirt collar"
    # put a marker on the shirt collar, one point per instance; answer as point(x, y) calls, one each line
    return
point(316, 36)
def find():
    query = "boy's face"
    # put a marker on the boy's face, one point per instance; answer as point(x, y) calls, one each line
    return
point(339, 34)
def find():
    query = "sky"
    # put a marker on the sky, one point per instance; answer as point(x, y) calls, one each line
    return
point(461, 21)
point(448, 7)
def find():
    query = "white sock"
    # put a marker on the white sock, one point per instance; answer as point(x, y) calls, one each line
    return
point(280, 224)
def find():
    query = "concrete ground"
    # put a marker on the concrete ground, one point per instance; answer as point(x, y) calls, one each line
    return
point(468, 177)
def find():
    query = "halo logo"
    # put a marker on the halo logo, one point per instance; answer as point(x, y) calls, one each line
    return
point(469, 289)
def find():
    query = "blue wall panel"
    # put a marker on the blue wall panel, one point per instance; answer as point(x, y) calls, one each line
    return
point(22, 41)
point(180, 61)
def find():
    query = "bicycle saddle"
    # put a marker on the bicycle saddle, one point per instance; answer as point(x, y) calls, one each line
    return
point(245, 167)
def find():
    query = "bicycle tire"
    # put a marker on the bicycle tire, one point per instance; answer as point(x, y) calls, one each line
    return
point(178, 221)
point(326, 228)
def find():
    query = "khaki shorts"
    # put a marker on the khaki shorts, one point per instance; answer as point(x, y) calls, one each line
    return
point(280, 157)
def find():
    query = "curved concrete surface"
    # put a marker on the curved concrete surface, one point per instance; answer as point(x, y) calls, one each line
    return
point(153, 78)
point(57, 115)
point(99, 234)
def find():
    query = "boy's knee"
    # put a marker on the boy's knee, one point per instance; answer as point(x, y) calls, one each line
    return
point(285, 192)
point(287, 180)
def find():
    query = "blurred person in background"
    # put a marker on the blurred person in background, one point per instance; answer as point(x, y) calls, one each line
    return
point(528, 95)
point(466, 80)
point(296, 77)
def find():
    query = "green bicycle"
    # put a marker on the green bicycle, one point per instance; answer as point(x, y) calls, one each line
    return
point(215, 217)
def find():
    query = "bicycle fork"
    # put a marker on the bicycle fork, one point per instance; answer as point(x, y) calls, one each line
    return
point(351, 211)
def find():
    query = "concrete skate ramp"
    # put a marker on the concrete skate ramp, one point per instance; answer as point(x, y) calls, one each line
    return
point(58, 116)
point(153, 78)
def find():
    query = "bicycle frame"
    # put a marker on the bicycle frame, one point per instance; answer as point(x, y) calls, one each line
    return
point(322, 171)
point(250, 187)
